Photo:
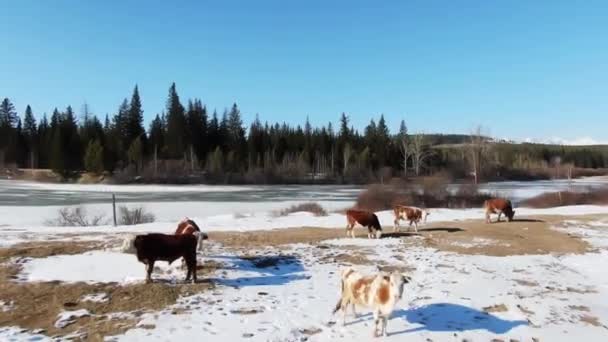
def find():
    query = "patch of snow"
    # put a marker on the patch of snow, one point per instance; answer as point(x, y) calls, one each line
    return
point(96, 297)
point(68, 317)
point(91, 267)
point(475, 242)
point(15, 334)
point(4, 306)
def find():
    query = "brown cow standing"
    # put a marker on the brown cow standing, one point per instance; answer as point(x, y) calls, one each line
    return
point(498, 206)
point(412, 214)
point(152, 247)
point(364, 218)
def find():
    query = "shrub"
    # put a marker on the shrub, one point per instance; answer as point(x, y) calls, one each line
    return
point(134, 216)
point(76, 217)
point(431, 192)
point(561, 198)
point(310, 207)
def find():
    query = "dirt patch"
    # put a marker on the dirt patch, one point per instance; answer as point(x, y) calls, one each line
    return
point(525, 282)
point(36, 305)
point(496, 308)
point(247, 311)
point(520, 237)
point(265, 238)
point(353, 258)
point(579, 308)
point(591, 320)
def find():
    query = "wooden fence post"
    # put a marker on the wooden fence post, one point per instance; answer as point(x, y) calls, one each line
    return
point(114, 208)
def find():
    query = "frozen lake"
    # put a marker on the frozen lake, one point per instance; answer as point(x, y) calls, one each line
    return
point(17, 193)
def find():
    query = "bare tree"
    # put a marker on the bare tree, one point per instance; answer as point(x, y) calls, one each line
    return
point(478, 149)
point(419, 151)
point(402, 141)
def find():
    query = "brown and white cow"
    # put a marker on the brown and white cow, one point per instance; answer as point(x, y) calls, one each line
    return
point(412, 214)
point(379, 292)
point(498, 206)
point(364, 218)
point(189, 227)
point(153, 247)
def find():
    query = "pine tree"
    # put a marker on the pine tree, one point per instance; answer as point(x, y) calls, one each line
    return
point(382, 143)
point(176, 125)
point(93, 157)
point(8, 137)
point(136, 154)
point(236, 136)
point(30, 133)
point(71, 141)
point(43, 143)
point(196, 118)
point(134, 121)
point(213, 132)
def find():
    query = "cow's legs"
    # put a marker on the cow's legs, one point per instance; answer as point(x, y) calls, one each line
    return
point(191, 263)
point(350, 230)
point(376, 322)
point(149, 271)
point(384, 322)
point(499, 213)
point(344, 309)
point(354, 311)
point(396, 225)
point(487, 217)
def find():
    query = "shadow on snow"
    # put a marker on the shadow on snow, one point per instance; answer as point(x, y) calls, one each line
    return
point(268, 270)
point(445, 317)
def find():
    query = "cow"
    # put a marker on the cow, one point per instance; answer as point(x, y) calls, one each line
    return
point(188, 226)
point(498, 206)
point(379, 292)
point(412, 214)
point(152, 247)
point(364, 218)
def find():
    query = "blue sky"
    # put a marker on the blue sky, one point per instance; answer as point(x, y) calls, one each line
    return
point(522, 69)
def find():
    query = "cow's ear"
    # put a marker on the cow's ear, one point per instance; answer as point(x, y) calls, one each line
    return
point(406, 279)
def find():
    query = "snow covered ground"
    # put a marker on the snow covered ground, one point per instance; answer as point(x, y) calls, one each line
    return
point(452, 296)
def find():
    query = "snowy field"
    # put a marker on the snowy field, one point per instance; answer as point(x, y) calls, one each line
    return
point(453, 297)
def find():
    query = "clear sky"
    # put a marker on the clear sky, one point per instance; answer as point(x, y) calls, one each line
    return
point(523, 69)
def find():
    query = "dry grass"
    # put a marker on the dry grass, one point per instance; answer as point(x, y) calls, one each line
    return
point(561, 198)
point(310, 207)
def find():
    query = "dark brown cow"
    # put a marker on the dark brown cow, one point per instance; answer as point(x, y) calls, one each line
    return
point(364, 218)
point(498, 206)
point(189, 227)
point(412, 214)
point(152, 247)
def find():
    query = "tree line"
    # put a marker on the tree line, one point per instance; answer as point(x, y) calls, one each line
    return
point(187, 143)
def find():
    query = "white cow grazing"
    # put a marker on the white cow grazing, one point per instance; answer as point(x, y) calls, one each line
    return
point(379, 292)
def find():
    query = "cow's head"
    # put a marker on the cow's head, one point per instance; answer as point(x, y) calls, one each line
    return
point(398, 280)
point(128, 245)
point(200, 236)
point(510, 215)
